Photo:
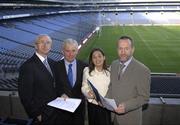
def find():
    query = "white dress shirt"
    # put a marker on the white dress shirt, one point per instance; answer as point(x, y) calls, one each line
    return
point(126, 64)
point(100, 81)
point(40, 57)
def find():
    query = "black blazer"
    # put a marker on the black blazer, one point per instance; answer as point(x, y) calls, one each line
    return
point(63, 86)
point(36, 86)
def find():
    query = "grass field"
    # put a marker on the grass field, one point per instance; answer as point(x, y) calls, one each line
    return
point(158, 47)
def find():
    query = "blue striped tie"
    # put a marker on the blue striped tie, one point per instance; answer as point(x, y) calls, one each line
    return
point(70, 75)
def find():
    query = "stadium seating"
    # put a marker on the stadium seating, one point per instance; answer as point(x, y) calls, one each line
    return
point(140, 18)
point(165, 86)
point(18, 34)
point(8, 84)
point(161, 86)
point(15, 121)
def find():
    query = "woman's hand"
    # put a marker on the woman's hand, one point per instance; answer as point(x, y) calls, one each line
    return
point(91, 94)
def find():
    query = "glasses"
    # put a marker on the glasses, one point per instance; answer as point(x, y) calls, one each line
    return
point(44, 42)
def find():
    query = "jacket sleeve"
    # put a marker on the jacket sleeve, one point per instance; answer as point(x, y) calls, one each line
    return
point(25, 89)
point(109, 92)
point(85, 88)
point(59, 85)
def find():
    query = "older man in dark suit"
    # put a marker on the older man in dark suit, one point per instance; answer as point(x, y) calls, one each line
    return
point(69, 73)
point(130, 84)
point(37, 85)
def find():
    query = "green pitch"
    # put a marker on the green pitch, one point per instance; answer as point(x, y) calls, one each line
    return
point(158, 47)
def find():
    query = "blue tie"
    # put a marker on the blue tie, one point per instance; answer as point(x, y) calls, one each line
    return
point(70, 75)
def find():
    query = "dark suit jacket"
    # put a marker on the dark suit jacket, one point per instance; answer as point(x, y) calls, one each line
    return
point(63, 87)
point(36, 87)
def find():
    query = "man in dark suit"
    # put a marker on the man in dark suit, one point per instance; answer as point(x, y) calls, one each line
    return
point(69, 73)
point(37, 84)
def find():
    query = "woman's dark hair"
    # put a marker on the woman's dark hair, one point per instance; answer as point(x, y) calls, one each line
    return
point(92, 66)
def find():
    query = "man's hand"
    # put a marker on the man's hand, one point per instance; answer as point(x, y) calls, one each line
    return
point(64, 96)
point(120, 109)
point(39, 118)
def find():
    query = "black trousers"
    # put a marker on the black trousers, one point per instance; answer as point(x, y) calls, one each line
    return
point(98, 115)
point(68, 118)
point(46, 119)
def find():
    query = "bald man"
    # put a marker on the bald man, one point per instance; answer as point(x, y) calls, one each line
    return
point(37, 85)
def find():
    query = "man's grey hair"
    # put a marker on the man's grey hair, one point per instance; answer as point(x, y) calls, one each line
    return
point(40, 36)
point(70, 41)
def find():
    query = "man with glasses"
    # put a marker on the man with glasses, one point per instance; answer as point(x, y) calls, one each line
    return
point(37, 85)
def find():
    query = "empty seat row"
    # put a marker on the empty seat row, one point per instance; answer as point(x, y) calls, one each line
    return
point(8, 84)
point(15, 121)
point(166, 86)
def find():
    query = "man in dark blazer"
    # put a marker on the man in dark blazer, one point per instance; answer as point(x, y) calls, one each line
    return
point(130, 85)
point(69, 73)
point(37, 84)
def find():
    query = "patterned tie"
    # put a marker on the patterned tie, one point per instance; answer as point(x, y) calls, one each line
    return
point(120, 72)
point(70, 75)
point(45, 62)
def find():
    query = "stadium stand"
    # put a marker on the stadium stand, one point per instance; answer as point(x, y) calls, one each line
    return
point(17, 36)
point(165, 86)
point(8, 84)
point(140, 18)
point(14, 121)
point(21, 22)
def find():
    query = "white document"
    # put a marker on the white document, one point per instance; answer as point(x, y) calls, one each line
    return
point(109, 104)
point(70, 104)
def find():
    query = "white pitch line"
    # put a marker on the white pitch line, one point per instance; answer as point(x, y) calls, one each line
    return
point(148, 47)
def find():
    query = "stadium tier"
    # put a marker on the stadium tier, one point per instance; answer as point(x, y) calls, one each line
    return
point(18, 31)
point(18, 35)
point(8, 84)
point(161, 86)
point(22, 21)
point(140, 18)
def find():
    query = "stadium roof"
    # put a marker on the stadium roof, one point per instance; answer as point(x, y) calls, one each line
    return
point(94, 1)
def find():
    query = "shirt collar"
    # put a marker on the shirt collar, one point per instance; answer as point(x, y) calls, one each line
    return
point(40, 57)
point(127, 62)
point(67, 63)
point(95, 69)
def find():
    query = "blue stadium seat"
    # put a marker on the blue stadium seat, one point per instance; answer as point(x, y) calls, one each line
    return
point(167, 86)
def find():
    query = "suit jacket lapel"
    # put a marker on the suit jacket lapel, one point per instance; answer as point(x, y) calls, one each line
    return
point(77, 72)
point(51, 64)
point(41, 65)
point(129, 68)
point(117, 66)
